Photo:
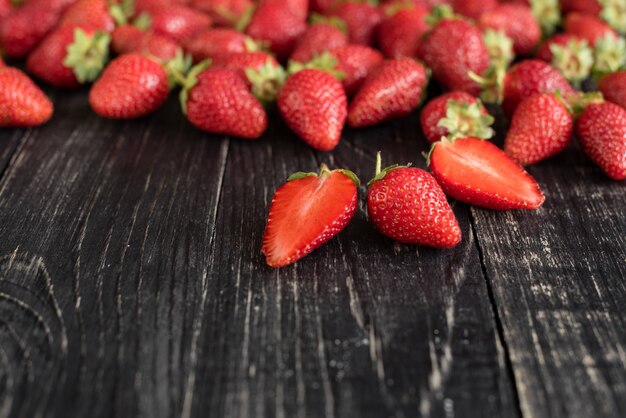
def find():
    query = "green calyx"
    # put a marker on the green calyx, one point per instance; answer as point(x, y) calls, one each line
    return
point(266, 81)
point(609, 55)
point(255, 46)
point(242, 22)
point(439, 13)
point(87, 55)
point(187, 82)
point(491, 82)
point(122, 11)
point(499, 47)
point(548, 14)
point(578, 102)
point(143, 21)
point(325, 172)
point(614, 13)
point(329, 20)
point(180, 64)
point(324, 62)
point(466, 119)
point(382, 172)
point(574, 60)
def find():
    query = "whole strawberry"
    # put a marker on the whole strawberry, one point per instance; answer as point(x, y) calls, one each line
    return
point(613, 88)
point(217, 44)
point(517, 22)
point(319, 37)
point(453, 49)
point(92, 13)
point(69, 57)
point(131, 86)
point(456, 115)
point(127, 39)
point(601, 130)
point(276, 25)
point(177, 22)
point(541, 128)
point(356, 62)
point(362, 19)
point(306, 212)
point(477, 172)
point(314, 105)
point(407, 205)
point(22, 103)
point(473, 9)
point(399, 35)
point(218, 101)
point(393, 90)
point(588, 27)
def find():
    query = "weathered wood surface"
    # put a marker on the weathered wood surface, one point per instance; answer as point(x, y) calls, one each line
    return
point(131, 284)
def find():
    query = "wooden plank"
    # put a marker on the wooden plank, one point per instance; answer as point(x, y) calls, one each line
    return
point(361, 327)
point(558, 281)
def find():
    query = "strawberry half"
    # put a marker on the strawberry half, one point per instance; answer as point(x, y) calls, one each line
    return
point(306, 212)
point(407, 205)
point(22, 103)
point(477, 172)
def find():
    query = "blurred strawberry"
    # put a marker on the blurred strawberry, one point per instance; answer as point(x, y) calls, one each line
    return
point(126, 39)
point(400, 33)
point(6, 7)
point(22, 103)
point(177, 22)
point(613, 88)
point(259, 70)
point(298, 8)
point(611, 11)
point(570, 55)
point(473, 8)
point(216, 43)
point(587, 27)
point(517, 22)
point(356, 62)
point(362, 20)
point(278, 26)
point(224, 12)
point(93, 13)
point(323, 35)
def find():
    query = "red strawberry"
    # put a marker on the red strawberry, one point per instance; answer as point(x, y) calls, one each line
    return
point(601, 130)
point(27, 25)
point(6, 7)
point(178, 22)
point(141, 6)
point(456, 115)
point(362, 20)
point(477, 172)
point(131, 86)
point(217, 43)
point(473, 8)
point(90, 13)
point(259, 70)
point(570, 55)
point(590, 7)
point(238, 63)
point(324, 6)
point(318, 38)
point(217, 100)
point(587, 27)
point(517, 22)
point(400, 34)
point(452, 50)
point(298, 8)
point(407, 205)
point(306, 212)
point(224, 12)
point(528, 78)
point(126, 39)
point(541, 127)
point(314, 105)
point(70, 56)
point(356, 62)
point(544, 52)
point(611, 11)
point(393, 90)
point(613, 88)
point(278, 26)
point(22, 103)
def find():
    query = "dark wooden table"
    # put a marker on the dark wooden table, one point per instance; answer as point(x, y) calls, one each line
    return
point(132, 284)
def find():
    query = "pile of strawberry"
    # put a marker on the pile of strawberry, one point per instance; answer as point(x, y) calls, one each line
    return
point(325, 63)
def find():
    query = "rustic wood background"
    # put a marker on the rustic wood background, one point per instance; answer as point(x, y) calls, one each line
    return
point(132, 284)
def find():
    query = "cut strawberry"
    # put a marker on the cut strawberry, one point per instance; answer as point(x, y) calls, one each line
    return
point(306, 212)
point(477, 172)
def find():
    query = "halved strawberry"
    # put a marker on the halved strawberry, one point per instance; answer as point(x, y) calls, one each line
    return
point(306, 212)
point(477, 172)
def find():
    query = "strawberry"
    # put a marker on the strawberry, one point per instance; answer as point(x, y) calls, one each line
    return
point(126, 39)
point(570, 55)
point(217, 100)
point(92, 13)
point(306, 212)
point(399, 34)
point(177, 22)
point(456, 115)
point(275, 24)
point(242, 61)
point(131, 86)
point(393, 90)
point(259, 70)
point(611, 11)
point(407, 205)
point(362, 20)
point(587, 27)
point(609, 53)
point(224, 12)
point(613, 88)
point(6, 7)
point(22, 103)
point(356, 62)
point(541, 127)
point(70, 56)
point(319, 37)
point(517, 22)
point(477, 172)
point(544, 52)
point(324, 6)
point(473, 8)
point(590, 7)
point(298, 8)
point(601, 130)
point(217, 43)
point(452, 49)
point(27, 25)
point(314, 105)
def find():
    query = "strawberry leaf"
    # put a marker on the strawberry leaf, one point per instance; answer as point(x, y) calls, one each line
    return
point(87, 55)
point(466, 119)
